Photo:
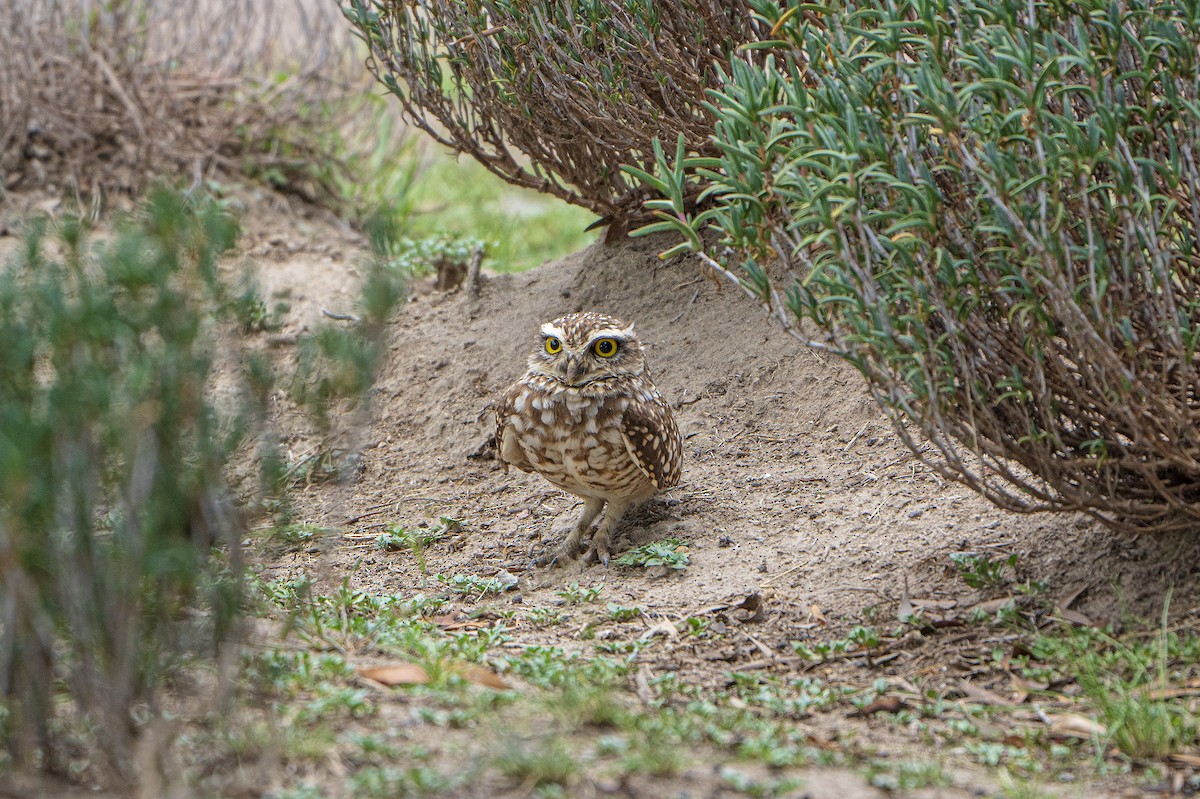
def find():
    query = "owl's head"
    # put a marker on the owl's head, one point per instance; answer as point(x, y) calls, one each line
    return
point(582, 348)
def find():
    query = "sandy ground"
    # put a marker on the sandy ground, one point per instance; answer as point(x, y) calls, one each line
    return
point(795, 490)
point(796, 495)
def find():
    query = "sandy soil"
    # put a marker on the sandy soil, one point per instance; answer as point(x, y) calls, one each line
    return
point(793, 478)
point(795, 490)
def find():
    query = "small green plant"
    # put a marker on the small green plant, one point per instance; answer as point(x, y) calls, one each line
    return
point(251, 311)
point(1141, 726)
point(544, 617)
point(864, 637)
point(981, 571)
point(473, 584)
point(574, 594)
point(417, 540)
point(656, 757)
point(623, 613)
point(696, 626)
point(433, 254)
point(765, 788)
point(397, 537)
point(670, 552)
point(538, 763)
point(907, 775)
point(297, 536)
point(385, 782)
point(318, 466)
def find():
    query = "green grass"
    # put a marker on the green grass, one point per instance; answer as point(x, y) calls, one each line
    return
point(573, 713)
point(575, 594)
point(538, 762)
point(981, 571)
point(1128, 684)
point(294, 537)
point(411, 195)
point(521, 228)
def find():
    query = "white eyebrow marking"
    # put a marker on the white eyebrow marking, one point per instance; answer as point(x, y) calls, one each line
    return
point(552, 330)
point(620, 334)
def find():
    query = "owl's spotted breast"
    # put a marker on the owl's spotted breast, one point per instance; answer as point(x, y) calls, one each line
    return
point(590, 443)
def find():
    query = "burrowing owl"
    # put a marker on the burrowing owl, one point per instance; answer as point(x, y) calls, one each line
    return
point(587, 417)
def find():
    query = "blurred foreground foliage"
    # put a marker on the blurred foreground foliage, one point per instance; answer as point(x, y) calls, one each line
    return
point(112, 495)
point(120, 526)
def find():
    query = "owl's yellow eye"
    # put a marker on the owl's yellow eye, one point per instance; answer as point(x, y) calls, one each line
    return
point(605, 347)
point(553, 346)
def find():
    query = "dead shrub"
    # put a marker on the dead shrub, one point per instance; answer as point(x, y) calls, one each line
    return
point(102, 95)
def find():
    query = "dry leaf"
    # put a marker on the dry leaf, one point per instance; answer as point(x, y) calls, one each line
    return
point(818, 616)
point(663, 628)
point(884, 704)
point(753, 606)
point(936, 604)
point(451, 621)
point(642, 682)
point(1185, 759)
point(991, 606)
point(984, 696)
point(481, 675)
point(1071, 595)
point(828, 744)
point(397, 674)
point(1170, 693)
point(1075, 617)
point(1072, 725)
point(906, 610)
point(1024, 686)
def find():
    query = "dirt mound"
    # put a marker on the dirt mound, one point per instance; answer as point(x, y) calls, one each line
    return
point(794, 482)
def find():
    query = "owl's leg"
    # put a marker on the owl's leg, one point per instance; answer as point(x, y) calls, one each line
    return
point(591, 509)
point(598, 551)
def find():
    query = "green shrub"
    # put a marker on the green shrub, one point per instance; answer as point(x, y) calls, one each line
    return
point(112, 492)
point(555, 96)
point(990, 209)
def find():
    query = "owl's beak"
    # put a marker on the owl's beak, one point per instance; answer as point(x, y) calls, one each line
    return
point(574, 370)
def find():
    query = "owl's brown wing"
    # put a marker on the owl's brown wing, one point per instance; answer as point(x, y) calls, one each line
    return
point(508, 447)
point(653, 441)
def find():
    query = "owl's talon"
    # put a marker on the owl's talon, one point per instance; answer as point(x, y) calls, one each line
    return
point(559, 557)
point(597, 552)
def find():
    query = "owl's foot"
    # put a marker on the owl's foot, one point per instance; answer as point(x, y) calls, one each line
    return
point(568, 552)
point(570, 547)
point(561, 555)
point(598, 550)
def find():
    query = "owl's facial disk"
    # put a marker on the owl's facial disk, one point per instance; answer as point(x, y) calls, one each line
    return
point(576, 361)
